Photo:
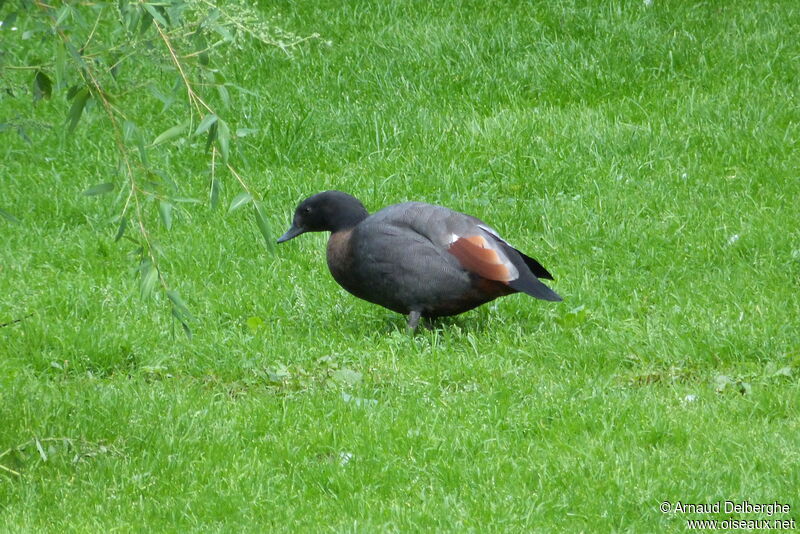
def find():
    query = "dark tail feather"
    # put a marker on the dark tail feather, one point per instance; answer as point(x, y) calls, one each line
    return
point(528, 280)
point(535, 267)
point(534, 288)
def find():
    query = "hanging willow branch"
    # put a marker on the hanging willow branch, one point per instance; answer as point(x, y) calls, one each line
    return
point(88, 45)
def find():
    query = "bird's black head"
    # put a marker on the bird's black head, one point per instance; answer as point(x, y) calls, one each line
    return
point(329, 211)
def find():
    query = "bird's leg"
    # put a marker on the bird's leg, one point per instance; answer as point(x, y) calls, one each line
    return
point(413, 320)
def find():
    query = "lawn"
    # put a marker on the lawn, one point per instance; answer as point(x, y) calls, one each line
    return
point(645, 152)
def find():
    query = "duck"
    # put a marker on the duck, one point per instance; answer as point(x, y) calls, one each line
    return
point(417, 259)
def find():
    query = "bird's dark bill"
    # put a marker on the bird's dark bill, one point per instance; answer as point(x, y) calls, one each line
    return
point(292, 232)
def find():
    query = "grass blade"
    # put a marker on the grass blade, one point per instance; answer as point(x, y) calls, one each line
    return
point(40, 449)
point(6, 215)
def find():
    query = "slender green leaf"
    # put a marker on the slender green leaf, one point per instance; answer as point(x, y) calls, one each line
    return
point(224, 138)
point(155, 14)
point(171, 133)
point(213, 15)
point(128, 130)
point(99, 189)
point(165, 211)
point(179, 308)
point(62, 14)
point(42, 86)
point(75, 111)
point(72, 91)
point(219, 77)
point(146, 20)
point(186, 330)
point(224, 96)
point(207, 122)
point(123, 224)
point(130, 16)
point(179, 315)
point(149, 277)
point(243, 90)
point(212, 135)
point(240, 200)
point(140, 146)
point(165, 99)
point(166, 181)
point(75, 53)
point(223, 32)
point(60, 67)
point(115, 60)
point(244, 132)
point(156, 249)
point(150, 187)
point(263, 225)
point(6, 215)
point(201, 45)
point(215, 187)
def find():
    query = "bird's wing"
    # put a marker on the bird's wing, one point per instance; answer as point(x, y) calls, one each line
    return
point(476, 246)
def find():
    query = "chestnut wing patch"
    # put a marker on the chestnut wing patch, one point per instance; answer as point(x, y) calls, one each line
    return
point(477, 255)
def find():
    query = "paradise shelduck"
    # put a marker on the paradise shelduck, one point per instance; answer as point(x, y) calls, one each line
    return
point(417, 259)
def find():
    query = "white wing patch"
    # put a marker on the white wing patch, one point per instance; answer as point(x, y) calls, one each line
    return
point(493, 232)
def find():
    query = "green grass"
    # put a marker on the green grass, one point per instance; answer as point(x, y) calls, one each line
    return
point(646, 155)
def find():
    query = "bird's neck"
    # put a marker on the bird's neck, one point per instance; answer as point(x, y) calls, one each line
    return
point(348, 221)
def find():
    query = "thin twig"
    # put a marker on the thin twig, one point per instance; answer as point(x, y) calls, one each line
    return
point(91, 33)
point(194, 98)
point(239, 178)
point(9, 470)
point(14, 322)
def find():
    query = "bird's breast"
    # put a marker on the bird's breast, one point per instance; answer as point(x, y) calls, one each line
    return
point(340, 258)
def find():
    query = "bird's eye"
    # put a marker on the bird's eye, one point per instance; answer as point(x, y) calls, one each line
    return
point(306, 210)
